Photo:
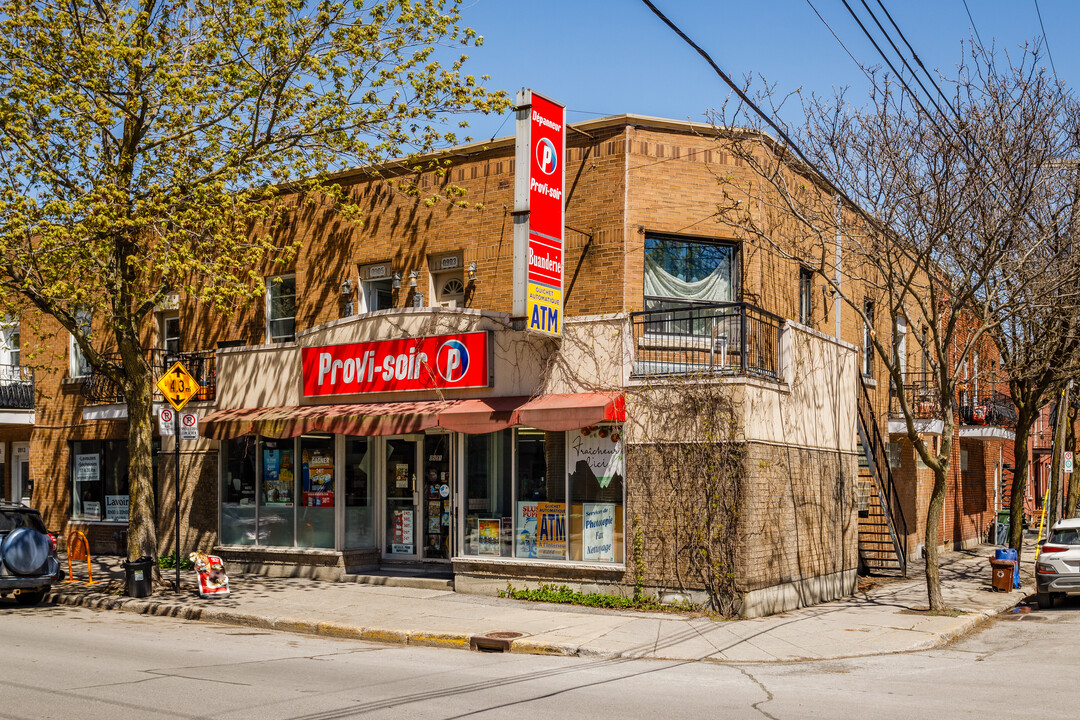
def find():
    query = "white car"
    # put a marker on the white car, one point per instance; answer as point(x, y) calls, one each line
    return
point(1057, 573)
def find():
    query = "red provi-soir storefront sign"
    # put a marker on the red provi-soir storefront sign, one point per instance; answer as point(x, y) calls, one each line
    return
point(440, 361)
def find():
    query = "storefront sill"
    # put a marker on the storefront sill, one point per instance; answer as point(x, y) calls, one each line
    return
point(277, 550)
point(521, 563)
point(99, 523)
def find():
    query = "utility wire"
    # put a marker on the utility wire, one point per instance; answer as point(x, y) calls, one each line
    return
point(1045, 39)
point(974, 27)
point(837, 38)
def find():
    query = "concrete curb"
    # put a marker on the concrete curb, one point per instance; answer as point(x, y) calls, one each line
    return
point(461, 641)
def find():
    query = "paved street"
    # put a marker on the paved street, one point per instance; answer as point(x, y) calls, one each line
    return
point(68, 662)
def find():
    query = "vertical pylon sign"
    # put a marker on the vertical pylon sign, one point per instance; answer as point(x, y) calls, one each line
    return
point(539, 182)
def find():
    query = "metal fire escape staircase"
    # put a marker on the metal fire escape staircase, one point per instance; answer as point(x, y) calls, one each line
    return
point(882, 526)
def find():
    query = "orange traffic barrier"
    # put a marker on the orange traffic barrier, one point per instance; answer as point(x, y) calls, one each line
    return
point(77, 550)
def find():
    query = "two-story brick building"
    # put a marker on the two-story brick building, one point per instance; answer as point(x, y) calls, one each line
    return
point(532, 458)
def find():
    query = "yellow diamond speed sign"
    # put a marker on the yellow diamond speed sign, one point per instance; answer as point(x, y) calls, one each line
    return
point(178, 386)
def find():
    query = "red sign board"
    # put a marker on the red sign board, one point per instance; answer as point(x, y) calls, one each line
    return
point(538, 243)
point(441, 361)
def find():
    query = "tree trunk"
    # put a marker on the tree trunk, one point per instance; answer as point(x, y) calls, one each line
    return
point(1055, 464)
point(1074, 478)
point(142, 522)
point(1024, 420)
point(932, 540)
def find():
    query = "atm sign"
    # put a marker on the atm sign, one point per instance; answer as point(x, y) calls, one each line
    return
point(441, 361)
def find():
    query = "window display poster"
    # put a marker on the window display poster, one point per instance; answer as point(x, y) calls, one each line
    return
point(526, 530)
point(434, 516)
point(597, 450)
point(318, 479)
point(403, 533)
point(401, 475)
point(598, 532)
point(87, 475)
point(277, 476)
point(551, 530)
point(116, 507)
point(489, 536)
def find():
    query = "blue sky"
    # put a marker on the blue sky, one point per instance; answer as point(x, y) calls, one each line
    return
point(604, 57)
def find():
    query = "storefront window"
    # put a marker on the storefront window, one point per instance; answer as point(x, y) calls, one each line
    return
point(489, 509)
point(315, 518)
point(276, 501)
point(595, 468)
point(99, 472)
point(540, 527)
point(238, 491)
point(359, 513)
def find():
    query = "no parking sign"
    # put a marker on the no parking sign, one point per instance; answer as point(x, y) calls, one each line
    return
point(189, 426)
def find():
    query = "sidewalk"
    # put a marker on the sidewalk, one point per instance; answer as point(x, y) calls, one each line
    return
point(889, 617)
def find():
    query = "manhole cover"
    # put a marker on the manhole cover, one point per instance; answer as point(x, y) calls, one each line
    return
point(493, 641)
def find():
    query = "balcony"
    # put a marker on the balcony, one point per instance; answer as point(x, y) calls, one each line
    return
point(712, 339)
point(993, 410)
point(16, 387)
point(98, 389)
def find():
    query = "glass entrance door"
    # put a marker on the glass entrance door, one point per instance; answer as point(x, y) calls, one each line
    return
point(436, 497)
point(402, 498)
point(20, 472)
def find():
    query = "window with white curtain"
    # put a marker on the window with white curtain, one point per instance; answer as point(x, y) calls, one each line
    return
point(680, 272)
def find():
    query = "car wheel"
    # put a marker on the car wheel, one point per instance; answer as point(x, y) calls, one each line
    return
point(30, 597)
point(1045, 601)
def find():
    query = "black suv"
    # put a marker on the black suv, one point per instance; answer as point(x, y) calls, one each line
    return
point(28, 563)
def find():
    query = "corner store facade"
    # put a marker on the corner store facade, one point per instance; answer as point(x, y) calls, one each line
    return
point(634, 185)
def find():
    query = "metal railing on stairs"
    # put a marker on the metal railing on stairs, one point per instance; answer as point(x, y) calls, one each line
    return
point(878, 462)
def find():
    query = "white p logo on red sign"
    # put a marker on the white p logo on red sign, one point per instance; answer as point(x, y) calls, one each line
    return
point(546, 157)
point(452, 360)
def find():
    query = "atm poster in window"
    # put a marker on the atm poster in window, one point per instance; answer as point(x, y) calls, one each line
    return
point(551, 531)
point(403, 533)
point(318, 479)
point(594, 459)
point(277, 476)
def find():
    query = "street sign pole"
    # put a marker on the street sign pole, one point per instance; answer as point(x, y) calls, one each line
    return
point(176, 457)
point(178, 386)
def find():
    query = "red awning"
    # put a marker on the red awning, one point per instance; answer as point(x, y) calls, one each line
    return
point(570, 412)
point(476, 416)
point(393, 418)
point(481, 415)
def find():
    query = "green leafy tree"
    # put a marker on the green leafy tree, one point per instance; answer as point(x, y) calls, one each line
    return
point(145, 148)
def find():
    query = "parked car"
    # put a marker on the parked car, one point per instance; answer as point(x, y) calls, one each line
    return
point(1057, 573)
point(28, 562)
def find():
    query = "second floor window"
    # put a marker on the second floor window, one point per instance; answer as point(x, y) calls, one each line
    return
point(281, 309)
point(682, 272)
point(868, 340)
point(806, 281)
point(80, 367)
point(10, 343)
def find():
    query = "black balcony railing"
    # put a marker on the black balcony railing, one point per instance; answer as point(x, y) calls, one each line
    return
point(715, 338)
point(16, 387)
point(993, 408)
point(202, 364)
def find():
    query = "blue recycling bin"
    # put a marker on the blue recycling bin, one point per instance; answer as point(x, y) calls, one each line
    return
point(1010, 554)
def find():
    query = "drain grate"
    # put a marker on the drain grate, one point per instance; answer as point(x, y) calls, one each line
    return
point(493, 641)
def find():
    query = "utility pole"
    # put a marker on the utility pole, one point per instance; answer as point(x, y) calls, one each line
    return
point(1056, 464)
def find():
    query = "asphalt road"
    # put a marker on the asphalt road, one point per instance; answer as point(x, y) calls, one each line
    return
point(67, 662)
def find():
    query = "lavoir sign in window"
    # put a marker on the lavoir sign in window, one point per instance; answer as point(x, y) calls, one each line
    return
point(455, 361)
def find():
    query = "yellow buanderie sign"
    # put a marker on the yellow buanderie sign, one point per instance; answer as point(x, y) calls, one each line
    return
point(178, 386)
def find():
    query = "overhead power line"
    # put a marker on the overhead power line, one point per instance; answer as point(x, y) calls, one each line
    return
point(1046, 40)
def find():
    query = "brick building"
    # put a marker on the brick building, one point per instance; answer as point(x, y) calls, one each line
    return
point(670, 323)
